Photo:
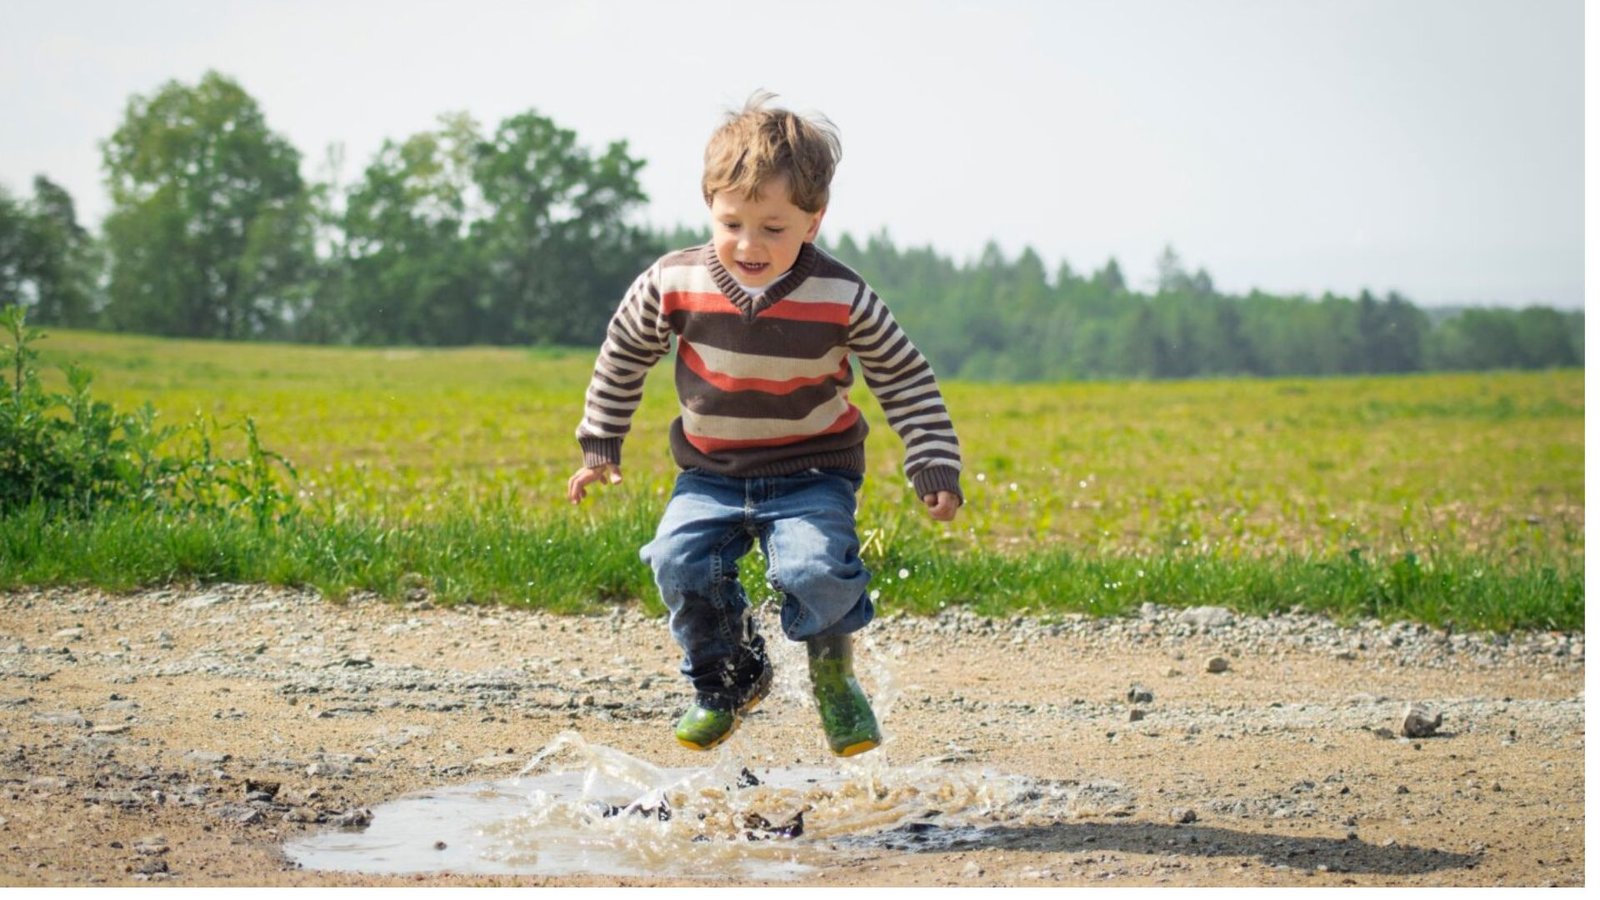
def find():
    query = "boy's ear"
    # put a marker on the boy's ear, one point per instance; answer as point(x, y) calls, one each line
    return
point(816, 224)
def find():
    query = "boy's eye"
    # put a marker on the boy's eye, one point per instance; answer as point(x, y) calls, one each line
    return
point(731, 226)
point(772, 230)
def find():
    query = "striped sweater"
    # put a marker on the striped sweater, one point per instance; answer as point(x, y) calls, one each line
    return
point(764, 384)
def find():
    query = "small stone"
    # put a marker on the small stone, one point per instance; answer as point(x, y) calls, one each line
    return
point(1402, 789)
point(496, 761)
point(1140, 694)
point(328, 770)
point(971, 870)
point(203, 601)
point(267, 789)
point(67, 718)
point(355, 818)
point(206, 757)
point(1216, 665)
point(1136, 715)
point(1184, 815)
point(1421, 722)
point(439, 845)
point(1206, 617)
point(1386, 734)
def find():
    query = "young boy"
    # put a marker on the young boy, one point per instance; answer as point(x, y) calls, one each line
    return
point(769, 444)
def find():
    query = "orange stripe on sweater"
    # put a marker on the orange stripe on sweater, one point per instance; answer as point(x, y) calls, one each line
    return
point(796, 311)
point(687, 354)
point(694, 301)
point(713, 445)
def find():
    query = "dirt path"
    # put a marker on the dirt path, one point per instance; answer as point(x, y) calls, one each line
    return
point(184, 736)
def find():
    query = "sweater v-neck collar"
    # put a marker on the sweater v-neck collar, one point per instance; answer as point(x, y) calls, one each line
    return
point(750, 306)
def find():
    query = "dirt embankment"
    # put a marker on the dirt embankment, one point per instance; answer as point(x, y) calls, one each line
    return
point(182, 736)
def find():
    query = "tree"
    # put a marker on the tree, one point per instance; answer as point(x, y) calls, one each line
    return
point(1170, 277)
point(15, 273)
point(47, 260)
point(210, 229)
point(413, 275)
point(556, 240)
point(452, 237)
point(1110, 280)
point(64, 261)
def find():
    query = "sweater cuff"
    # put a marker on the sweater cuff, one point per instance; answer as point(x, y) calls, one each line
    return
point(601, 451)
point(935, 478)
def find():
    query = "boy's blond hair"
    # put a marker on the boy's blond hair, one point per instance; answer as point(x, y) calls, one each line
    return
point(757, 144)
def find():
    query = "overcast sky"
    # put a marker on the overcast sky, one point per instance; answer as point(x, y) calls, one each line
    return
point(1431, 147)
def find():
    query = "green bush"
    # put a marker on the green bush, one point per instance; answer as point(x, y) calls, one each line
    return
point(71, 454)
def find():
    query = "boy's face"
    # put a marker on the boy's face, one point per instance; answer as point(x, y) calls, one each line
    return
point(759, 240)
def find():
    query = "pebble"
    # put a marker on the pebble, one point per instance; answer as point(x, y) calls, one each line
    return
point(1206, 617)
point(1421, 721)
point(355, 818)
point(328, 770)
point(67, 718)
point(1184, 815)
point(972, 870)
point(1138, 694)
point(1216, 665)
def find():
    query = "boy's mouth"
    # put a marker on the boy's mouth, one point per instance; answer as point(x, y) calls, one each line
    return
point(750, 268)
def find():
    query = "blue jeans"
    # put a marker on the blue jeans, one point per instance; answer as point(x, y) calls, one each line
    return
point(806, 525)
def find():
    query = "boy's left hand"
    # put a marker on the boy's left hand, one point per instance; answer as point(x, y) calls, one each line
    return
point(941, 506)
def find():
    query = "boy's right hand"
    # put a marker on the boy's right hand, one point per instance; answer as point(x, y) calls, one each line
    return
point(609, 473)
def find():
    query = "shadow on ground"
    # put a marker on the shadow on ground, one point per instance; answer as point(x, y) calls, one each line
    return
point(1350, 855)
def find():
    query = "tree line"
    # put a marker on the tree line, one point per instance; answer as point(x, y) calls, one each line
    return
point(522, 235)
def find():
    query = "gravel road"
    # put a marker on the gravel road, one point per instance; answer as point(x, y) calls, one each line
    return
point(183, 735)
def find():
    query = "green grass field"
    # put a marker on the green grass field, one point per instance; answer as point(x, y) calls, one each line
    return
point(1449, 498)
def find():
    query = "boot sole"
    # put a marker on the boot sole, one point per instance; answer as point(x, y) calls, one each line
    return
point(749, 705)
point(858, 748)
point(702, 747)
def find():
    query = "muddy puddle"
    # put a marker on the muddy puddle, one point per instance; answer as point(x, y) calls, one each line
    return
point(581, 808)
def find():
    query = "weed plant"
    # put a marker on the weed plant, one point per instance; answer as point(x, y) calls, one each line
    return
point(64, 453)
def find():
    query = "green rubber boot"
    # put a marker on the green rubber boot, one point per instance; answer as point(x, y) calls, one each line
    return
point(702, 727)
point(847, 717)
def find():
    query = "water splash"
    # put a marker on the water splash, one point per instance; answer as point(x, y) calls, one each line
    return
point(583, 808)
